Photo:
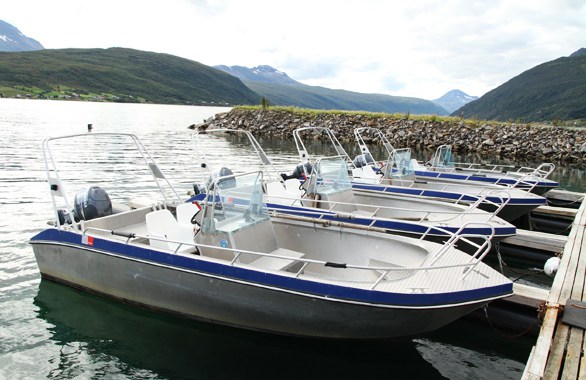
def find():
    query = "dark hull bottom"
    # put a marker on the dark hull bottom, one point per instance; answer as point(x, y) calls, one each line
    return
point(509, 212)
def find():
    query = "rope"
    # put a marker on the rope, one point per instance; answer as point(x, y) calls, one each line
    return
point(503, 264)
point(554, 203)
point(533, 227)
point(485, 308)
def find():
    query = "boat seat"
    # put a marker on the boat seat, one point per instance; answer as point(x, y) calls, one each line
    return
point(276, 263)
point(293, 186)
point(185, 212)
point(277, 193)
point(162, 225)
point(365, 175)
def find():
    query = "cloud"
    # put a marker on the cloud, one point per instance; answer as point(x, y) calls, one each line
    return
point(420, 48)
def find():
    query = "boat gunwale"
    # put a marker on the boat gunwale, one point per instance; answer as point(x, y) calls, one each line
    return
point(276, 281)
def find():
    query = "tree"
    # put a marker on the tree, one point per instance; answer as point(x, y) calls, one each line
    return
point(264, 103)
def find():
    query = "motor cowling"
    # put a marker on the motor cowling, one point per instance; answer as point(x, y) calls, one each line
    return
point(222, 172)
point(92, 203)
point(299, 171)
point(362, 160)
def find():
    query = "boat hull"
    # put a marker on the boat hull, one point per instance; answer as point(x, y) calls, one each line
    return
point(538, 187)
point(515, 208)
point(233, 301)
point(403, 227)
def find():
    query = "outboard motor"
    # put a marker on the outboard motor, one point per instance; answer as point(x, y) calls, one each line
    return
point(362, 160)
point(222, 172)
point(359, 161)
point(300, 171)
point(92, 203)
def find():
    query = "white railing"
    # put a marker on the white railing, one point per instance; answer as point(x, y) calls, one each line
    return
point(481, 250)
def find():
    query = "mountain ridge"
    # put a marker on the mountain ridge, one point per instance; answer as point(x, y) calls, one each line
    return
point(554, 90)
point(11, 39)
point(281, 90)
point(454, 99)
point(131, 75)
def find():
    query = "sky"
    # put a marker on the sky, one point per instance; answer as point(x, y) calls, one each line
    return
point(415, 48)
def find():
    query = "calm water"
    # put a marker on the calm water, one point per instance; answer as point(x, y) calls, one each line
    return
point(51, 331)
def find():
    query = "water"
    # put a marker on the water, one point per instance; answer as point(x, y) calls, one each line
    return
point(51, 331)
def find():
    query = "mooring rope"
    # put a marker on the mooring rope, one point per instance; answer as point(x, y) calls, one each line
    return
point(496, 330)
point(503, 264)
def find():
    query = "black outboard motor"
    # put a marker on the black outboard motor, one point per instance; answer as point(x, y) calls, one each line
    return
point(92, 203)
point(362, 160)
point(222, 172)
point(301, 170)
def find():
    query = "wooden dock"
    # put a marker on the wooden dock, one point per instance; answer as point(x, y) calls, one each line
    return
point(538, 240)
point(559, 350)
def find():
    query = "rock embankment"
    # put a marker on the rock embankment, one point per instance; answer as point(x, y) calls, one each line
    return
point(514, 141)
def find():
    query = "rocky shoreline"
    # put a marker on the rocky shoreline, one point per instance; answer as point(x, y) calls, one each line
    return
point(504, 140)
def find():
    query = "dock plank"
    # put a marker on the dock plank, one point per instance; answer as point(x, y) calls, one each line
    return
point(564, 212)
point(573, 353)
point(576, 336)
point(564, 195)
point(559, 346)
point(536, 367)
point(556, 356)
point(583, 360)
point(537, 240)
point(528, 295)
point(567, 267)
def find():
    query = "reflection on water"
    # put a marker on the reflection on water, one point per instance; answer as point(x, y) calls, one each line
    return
point(51, 331)
point(98, 336)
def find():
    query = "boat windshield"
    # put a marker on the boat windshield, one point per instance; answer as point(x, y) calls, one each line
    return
point(443, 157)
point(237, 202)
point(400, 164)
point(330, 176)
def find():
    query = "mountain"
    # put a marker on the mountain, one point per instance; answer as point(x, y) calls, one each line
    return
point(554, 90)
point(452, 100)
point(129, 75)
point(578, 52)
point(263, 74)
point(281, 90)
point(11, 39)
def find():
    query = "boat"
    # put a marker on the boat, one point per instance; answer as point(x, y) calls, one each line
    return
point(231, 263)
point(328, 196)
point(443, 168)
point(370, 176)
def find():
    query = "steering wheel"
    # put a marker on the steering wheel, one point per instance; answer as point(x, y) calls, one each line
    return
point(194, 219)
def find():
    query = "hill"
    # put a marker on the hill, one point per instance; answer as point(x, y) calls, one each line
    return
point(119, 74)
point(281, 90)
point(453, 100)
point(554, 90)
point(11, 39)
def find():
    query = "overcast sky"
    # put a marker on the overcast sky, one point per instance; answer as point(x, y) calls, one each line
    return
point(419, 48)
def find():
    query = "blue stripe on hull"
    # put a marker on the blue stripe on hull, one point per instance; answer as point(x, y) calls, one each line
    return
point(388, 224)
point(471, 177)
point(101, 246)
point(540, 201)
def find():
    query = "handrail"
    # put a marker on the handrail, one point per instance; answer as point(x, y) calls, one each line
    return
point(542, 171)
point(426, 214)
point(468, 199)
point(56, 184)
point(268, 167)
point(375, 131)
point(467, 266)
point(302, 150)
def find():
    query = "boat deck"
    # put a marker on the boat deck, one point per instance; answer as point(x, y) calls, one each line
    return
point(559, 350)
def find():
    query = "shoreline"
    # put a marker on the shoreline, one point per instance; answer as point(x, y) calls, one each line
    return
point(487, 138)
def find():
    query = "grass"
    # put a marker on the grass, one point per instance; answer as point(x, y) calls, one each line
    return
point(471, 122)
point(373, 115)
